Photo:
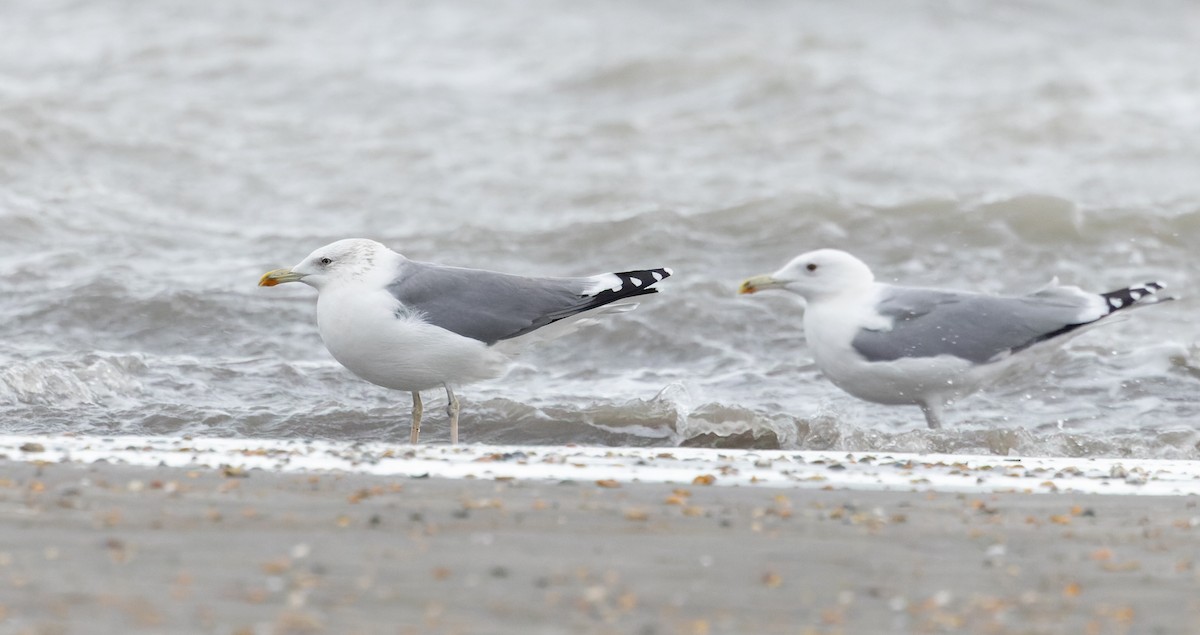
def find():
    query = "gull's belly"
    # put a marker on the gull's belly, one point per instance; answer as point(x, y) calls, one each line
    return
point(908, 381)
point(365, 335)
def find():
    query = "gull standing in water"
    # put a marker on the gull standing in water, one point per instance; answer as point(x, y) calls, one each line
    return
point(414, 326)
point(928, 347)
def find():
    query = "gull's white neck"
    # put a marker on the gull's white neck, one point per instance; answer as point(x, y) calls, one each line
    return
point(832, 321)
point(354, 304)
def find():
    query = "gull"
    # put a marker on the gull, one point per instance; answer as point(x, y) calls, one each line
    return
point(414, 326)
point(929, 347)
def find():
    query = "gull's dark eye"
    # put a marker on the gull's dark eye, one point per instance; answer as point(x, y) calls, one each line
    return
point(811, 266)
point(326, 261)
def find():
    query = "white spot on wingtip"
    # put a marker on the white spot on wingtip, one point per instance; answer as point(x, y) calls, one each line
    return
point(1116, 303)
point(637, 282)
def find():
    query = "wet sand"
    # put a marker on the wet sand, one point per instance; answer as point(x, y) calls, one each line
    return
point(104, 548)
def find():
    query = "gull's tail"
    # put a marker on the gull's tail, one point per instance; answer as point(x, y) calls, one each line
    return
point(1101, 307)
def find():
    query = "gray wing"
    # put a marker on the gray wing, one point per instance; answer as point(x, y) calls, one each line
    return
point(490, 306)
point(978, 328)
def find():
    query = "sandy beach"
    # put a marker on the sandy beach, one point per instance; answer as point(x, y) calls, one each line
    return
point(109, 548)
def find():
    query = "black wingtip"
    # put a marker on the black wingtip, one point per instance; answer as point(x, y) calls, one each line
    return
point(633, 284)
point(646, 276)
point(642, 278)
point(1146, 293)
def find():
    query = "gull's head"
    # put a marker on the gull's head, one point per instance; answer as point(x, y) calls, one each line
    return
point(815, 275)
point(344, 260)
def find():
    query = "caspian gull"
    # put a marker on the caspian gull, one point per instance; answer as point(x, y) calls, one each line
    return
point(928, 347)
point(414, 326)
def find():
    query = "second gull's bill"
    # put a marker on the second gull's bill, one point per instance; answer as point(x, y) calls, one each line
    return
point(928, 347)
point(414, 326)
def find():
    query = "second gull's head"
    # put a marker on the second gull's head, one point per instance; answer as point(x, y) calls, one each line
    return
point(815, 275)
point(344, 260)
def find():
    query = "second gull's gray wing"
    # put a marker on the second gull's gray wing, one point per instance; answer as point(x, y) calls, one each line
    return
point(975, 327)
point(489, 306)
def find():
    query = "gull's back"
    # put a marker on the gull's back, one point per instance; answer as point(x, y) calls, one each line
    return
point(974, 327)
point(490, 306)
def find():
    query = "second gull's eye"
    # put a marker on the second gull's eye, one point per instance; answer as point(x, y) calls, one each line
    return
point(327, 261)
point(811, 266)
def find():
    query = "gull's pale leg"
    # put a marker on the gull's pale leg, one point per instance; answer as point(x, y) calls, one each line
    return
point(452, 409)
point(933, 414)
point(415, 435)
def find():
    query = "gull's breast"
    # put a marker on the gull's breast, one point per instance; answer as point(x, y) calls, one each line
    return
point(370, 334)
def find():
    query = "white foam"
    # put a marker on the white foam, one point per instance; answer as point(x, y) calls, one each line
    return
point(881, 471)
